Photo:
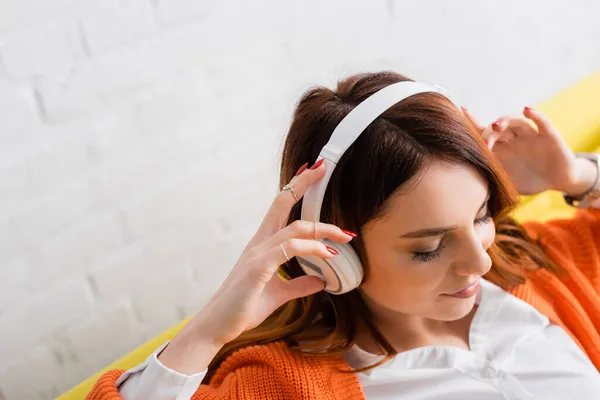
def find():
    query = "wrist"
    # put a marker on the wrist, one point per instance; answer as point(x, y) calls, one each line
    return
point(584, 177)
point(190, 351)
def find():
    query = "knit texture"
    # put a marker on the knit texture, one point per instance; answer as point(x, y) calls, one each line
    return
point(570, 299)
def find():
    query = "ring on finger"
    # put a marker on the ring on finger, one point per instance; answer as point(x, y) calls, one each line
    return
point(290, 187)
point(284, 253)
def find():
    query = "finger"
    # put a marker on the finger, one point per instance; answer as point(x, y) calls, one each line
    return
point(543, 123)
point(472, 119)
point(500, 138)
point(489, 132)
point(294, 247)
point(506, 128)
point(264, 264)
point(279, 211)
point(491, 142)
point(303, 286)
point(520, 125)
point(307, 230)
point(491, 136)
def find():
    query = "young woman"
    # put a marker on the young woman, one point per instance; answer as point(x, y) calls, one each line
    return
point(438, 294)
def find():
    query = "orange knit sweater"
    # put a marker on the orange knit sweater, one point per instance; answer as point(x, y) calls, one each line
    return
point(572, 301)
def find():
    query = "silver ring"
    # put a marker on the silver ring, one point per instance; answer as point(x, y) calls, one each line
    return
point(290, 187)
point(316, 230)
point(284, 253)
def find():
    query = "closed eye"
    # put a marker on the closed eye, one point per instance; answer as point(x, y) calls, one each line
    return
point(428, 256)
point(486, 218)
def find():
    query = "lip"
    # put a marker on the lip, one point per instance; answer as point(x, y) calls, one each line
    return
point(466, 292)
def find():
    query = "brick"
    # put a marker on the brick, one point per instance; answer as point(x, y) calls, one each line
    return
point(113, 276)
point(16, 14)
point(55, 162)
point(172, 206)
point(210, 269)
point(15, 276)
point(74, 251)
point(114, 135)
point(54, 212)
point(97, 340)
point(42, 167)
point(179, 97)
point(113, 76)
point(15, 185)
point(162, 298)
point(41, 315)
point(112, 22)
point(130, 176)
point(35, 374)
point(14, 180)
point(174, 11)
point(199, 194)
point(259, 190)
point(38, 49)
point(18, 115)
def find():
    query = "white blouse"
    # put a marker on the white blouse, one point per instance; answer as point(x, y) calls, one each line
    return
point(516, 353)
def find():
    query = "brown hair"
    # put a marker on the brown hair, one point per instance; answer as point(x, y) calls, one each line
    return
point(394, 148)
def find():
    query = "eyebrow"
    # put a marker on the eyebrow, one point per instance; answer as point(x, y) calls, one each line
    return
point(421, 233)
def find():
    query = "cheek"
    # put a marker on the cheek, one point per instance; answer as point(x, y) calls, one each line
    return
point(404, 286)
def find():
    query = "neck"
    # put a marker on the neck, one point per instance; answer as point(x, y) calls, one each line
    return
point(406, 332)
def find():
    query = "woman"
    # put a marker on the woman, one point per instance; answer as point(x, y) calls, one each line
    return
point(457, 300)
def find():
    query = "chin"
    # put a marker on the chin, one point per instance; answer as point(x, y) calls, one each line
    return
point(452, 309)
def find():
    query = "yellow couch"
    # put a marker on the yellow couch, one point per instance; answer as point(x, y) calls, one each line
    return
point(576, 113)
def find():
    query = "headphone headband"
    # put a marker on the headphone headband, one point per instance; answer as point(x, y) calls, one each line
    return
point(350, 128)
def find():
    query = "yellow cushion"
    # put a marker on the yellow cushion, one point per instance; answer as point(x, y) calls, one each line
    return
point(574, 111)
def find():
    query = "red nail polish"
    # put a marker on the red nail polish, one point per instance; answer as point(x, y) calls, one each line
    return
point(349, 233)
point(302, 168)
point(528, 109)
point(318, 164)
point(332, 250)
point(497, 123)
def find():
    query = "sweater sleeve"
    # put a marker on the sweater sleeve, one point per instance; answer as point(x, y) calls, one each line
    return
point(257, 372)
point(153, 380)
point(106, 389)
point(572, 242)
point(150, 381)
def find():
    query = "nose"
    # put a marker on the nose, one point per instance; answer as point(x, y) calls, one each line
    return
point(472, 258)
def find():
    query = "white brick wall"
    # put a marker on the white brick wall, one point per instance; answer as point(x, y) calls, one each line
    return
point(35, 50)
point(108, 23)
point(139, 142)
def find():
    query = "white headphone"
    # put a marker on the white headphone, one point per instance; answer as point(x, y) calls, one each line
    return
point(344, 271)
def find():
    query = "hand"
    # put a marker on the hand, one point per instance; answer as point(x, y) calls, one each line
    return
point(253, 289)
point(532, 151)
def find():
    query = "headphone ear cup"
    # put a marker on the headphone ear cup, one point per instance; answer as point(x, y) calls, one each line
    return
point(353, 267)
point(341, 273)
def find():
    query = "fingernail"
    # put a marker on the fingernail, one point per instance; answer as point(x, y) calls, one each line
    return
point(528, 109)
point(349, 233)
point(318, 164)
point(332, 250)
point(302, 168)
point(464, 109)
point(497, 123)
